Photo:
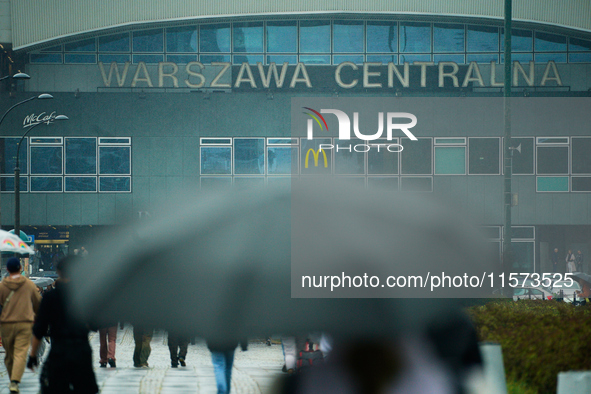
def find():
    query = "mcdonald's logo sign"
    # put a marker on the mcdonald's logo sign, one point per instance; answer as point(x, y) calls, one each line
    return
point(315, 154)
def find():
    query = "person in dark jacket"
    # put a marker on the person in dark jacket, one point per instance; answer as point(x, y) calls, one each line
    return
point(178, 346)
point(68, 367)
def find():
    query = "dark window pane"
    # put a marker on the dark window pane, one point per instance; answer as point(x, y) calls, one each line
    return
point(248, 37)
point(115, 140)
point(216, 160)
point(349, 162)
point(181, 59)
point(523, 163)
point(523, 232)
point(282, 160)
point(46, 184)
point(108, 59)
point(482, 38)
point(579, 57)
point(315, 161)
point(484, 155)
point(57, 48)
point(357, 59)
point(81, 46)
point(206, 59)
point(250, 59)
point(8, 147)
point(416, 156)
point(552, 159)
point(150, 59)
point(7, 184)
point(181, 39)
point(415, 37)
point(521, 40)
point(581, 155)
point(46, 160)
point(80, 156)
point(482, 58)
point(46, 58)
point(80, 58)
point(448, 37)
point(280, 59)
point(550, 42)
point(114, 160)
point(546, 57)
point(382, 162)
point(148, 41)
point(215, 38)
point(282, 36)
point(114, 43)
point(249, 156)
point(315, 36)
point(382, 37)
point(410, 184)
point(114, 184)
point(80, 184)
point(523, 256)
point(315, 59)
point(348, 36)
point(414, 58)
point(382, 58)
point(459, 59)
point(581, 184)
point(576, 44)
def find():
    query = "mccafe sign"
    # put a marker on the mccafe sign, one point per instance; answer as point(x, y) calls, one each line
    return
point(345, 76)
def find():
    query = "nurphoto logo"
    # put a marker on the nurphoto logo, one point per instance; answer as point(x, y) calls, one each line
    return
point(345, 129)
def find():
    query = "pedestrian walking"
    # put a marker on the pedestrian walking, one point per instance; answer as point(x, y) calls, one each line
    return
point(570, 262)
point(178, 346)
point(68, 368)
point(107, 339)
point(222, 357)
point(142, 337)
point(579, 259)
point(20, 301)
point(554, 258)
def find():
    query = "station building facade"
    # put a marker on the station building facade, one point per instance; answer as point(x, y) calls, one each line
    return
point(177, 96)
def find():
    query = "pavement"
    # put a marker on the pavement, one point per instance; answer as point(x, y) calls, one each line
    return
point(254, 371)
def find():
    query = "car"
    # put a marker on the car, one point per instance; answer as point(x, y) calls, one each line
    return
point(531, 293)
point(568, 288)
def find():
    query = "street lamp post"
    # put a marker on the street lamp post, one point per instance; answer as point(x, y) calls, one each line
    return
point(43, 96)
point(17, 174)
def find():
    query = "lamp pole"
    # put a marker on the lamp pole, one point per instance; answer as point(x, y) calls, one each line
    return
point(43, 96)
point(507, 157)
point(17, 176)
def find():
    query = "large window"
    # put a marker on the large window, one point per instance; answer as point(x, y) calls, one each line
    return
point(450, 156)
point(484, 156)
point(416, 156)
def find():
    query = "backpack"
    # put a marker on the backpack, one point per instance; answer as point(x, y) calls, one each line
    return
point(309, 356)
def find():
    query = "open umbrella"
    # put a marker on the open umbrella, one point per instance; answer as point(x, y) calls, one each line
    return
point(11, 243)
point(226, 265)
point(583, 276)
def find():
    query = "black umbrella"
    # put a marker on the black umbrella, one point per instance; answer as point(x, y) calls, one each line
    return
point(227, 264)
point(583, 276)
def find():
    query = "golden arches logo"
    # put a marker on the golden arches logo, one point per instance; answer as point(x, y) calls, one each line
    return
point(315, 154)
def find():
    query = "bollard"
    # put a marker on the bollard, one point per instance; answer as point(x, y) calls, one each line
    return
point(494, 369)
point(574, 382)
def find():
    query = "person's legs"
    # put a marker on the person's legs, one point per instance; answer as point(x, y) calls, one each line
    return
point(103, 349)
point(173, 349)
point(183, 348)
point(229, 357)
point(219, 369)
point(22, 340)
point(138, 339)
point(7, 331)
point(146, 349)
point(112, 334)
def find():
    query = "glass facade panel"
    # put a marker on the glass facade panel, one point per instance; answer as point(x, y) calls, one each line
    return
point(249, 156)
point(206, 59)
point(8, 147)
point(523, 163)
point(382, 59)
point(80, 156)
point(579, 57)
point(348, 36)
point(482, 57)
point(416, 184)
point(215, 38)
point(80, 184)
point(249, 182)
point(181, 59)
point(280, 59)
point(416, 156)
point(214, 183)
point(581, 184)
point(459, 59)
point(523, 254)
point(7, 184)
point(81, 46)
point(415, 37)
point(382, 162)
point(46, 184)
point(357, 59)
point(108, 59)
point(382, 36)
point(576, 44)
point(484, 156)
point(450, 160)
point(115, 43)
point(521, 40)
point(181, 39)
point(315, 36)
point(46, 58)
point(546, 57)
point(552, 183)
point(382, 183)
point(552, 159)
point(216, 160)
point(46, 160)
point(114, 184)
point(79, 58)
point(148, 41)
point(482, 38)
point(414, 58)
point(282, 36)
point(282, 160)
point(313, 160)
point(349, 163)
point(549, 42)
point(250, 59)
point(448, 37)
point(315, 59)
point(114, 160)
point(248, 37)
point(581, 155)
point(150, 59)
